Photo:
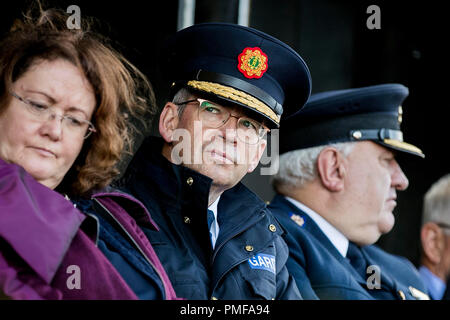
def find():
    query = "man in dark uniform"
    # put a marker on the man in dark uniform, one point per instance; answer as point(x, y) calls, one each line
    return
point(217, 240)
point(337, 186)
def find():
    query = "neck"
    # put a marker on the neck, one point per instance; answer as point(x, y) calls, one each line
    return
point(166, 150)
point(309, 196)
point(214, 193)
point(319, 200)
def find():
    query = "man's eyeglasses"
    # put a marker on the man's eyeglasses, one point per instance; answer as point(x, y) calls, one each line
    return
point(443, 225)
point(214, 116)
point(42, 112)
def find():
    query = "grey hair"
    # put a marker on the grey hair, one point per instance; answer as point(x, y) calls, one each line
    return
point(182, 95)
point(300, 166)
point(436, 207)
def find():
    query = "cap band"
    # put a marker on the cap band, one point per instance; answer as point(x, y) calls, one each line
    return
point(244, 86)
point(235, 95)
point(376, 134)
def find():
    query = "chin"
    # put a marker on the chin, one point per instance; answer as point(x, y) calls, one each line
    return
point(224, 177)
point(39, 170)
point(386, 223)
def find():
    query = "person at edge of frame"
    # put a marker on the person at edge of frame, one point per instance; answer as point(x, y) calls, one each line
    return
point(435, 239)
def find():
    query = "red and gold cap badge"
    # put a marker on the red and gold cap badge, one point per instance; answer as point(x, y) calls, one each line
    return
point(252, 62)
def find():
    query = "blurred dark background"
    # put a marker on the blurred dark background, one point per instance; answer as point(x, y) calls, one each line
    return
point(340, 51)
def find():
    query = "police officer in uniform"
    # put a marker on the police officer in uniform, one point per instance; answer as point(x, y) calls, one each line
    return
point(216, 238)
point(336, 189)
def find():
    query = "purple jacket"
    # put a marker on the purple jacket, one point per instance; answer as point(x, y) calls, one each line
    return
point(47, 248)
point(130, 213)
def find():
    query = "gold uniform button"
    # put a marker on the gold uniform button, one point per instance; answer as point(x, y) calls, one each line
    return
point(272, 228)
point(187, 220)
point(190, 181)
point(249, 248)
point(401, 294)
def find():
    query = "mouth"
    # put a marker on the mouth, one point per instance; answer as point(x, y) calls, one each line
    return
point(392, 202)
point(221, 157)
point(44, 152)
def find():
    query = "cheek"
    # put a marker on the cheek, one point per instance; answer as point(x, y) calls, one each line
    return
point(14, 136)
point(70, 151)
point(375, 184)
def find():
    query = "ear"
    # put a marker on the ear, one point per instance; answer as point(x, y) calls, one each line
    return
point(258, 154)
point(168, 121)
point(331, 169)
point(432, 244)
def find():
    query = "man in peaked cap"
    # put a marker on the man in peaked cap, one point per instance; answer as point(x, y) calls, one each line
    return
point(337, 187)
point(216, 239)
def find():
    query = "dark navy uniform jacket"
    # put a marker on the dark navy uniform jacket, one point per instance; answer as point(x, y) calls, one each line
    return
point(321, 272)
point(249, 259)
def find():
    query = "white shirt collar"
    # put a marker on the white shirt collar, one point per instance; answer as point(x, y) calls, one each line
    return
point(215, 226)
point(339, 241)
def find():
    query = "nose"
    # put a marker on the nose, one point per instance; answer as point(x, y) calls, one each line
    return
point(399, 180)
point(52, 127)
point(229, 129)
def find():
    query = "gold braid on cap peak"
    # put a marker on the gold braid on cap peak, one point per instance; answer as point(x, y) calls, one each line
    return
point(403, 145)
point(235, 95)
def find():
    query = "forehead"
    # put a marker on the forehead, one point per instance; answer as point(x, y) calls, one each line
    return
point(369, 148)
point(58, 80)
point(58, 74)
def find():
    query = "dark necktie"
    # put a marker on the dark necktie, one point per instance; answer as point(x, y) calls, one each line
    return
point(211, 219)
point(356, 258)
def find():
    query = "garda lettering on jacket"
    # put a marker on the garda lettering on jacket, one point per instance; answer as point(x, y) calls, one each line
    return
point(263, 261)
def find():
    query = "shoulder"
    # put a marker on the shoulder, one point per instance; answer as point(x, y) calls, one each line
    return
point(378, 254)
point(397, 266)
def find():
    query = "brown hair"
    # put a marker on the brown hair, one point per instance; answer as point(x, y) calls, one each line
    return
point(122, 92)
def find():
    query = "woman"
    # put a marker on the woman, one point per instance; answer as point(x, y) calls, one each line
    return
point(65, 96)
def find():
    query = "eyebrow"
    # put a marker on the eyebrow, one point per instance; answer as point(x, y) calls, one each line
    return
point(53, 101)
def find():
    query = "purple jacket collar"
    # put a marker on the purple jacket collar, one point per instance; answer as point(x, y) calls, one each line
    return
point(30, 211)
point(139, 212)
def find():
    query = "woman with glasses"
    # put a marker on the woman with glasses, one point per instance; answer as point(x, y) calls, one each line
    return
point(65, 96)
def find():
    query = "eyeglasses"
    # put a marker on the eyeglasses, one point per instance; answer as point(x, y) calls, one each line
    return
point(214, 116)
point(43, 113)
point(443, 225)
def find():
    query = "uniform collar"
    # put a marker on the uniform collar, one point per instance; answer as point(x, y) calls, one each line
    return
point(175, 184)
point(339, 241)
point(435, 285)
